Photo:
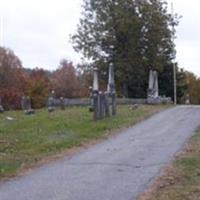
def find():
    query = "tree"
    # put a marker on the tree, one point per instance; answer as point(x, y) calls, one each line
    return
point(38, 86)
point(193, 88)
point(133, 35)
point(182, 85)
point(12, 79)
point(65, 81)
point(166, 81)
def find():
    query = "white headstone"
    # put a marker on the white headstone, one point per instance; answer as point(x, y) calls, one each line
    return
point(95, 80)
point(111, 81)
point(153, 90)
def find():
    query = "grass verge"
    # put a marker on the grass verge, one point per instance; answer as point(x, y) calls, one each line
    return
point(25, 140)
point(180, 181)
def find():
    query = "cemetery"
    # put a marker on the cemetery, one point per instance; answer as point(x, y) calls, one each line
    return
point(112, 114)
point(29, 136)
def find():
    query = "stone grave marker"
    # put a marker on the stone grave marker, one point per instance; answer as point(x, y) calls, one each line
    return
point(62, 103)
point(26, 105)
point(50, 102)
point(1, 107)
point(100, 101)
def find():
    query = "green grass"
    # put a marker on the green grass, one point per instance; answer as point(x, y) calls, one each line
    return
point(182, 180)
point(28, 139)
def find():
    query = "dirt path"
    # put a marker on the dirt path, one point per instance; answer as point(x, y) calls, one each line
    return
point(117, 169)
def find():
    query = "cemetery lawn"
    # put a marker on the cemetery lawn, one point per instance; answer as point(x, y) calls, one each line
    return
point(27, 140)
point(181, 181)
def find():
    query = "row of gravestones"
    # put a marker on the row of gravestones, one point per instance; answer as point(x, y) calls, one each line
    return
point(26, 104)
point(100, 100)
point(51, 104)
point(28, 110)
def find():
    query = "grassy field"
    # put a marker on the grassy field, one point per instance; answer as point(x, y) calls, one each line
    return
point(181, 181)
point(25, 140)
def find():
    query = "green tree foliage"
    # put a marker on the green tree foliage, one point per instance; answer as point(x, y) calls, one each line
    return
point(134, 35)
point(166, 83)
point(182, 85)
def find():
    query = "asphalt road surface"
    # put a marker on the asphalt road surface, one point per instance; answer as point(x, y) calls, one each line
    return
point(119, 168)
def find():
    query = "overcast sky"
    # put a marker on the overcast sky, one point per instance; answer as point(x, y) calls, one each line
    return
point(38, 31)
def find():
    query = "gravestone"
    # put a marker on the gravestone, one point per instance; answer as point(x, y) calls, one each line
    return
point(91, 108)
point(23, 103)
point(95, 95)
point(26, 105)
point(51, 102)
point(106, 104)
point(153, 90)
point(62, 103)
point(153, 84)
point(111, 89)
point(100, 101)
point(1, 107)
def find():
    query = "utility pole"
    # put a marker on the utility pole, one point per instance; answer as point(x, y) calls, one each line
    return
point(174, 64)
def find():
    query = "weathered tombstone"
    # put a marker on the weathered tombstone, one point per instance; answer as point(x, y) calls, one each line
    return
point(100, 100)
point(26, 105)
point(153, 84)
point(62, 103)
point(1, 107)
point(111, 88)
point(101, 105)
point(95, 80)
point(50, 104)
point(95, 95)
point(153, 90)
point(106, 103)
point(91, 108)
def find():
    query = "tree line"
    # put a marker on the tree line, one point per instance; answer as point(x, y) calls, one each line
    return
point(16, 81)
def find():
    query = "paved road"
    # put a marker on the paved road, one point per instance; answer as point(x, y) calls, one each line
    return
point(117, 169)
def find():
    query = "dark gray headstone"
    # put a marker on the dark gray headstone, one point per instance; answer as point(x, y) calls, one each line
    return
point(111, 89)
point(91, 107)
point(1, 109)
point(50, 104)
point(62, 103)
point(26, 105)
